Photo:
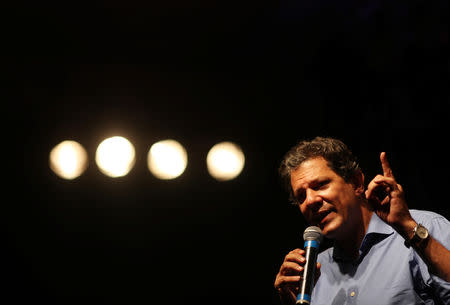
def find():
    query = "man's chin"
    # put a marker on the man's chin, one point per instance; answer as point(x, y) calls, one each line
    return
point(329, 230)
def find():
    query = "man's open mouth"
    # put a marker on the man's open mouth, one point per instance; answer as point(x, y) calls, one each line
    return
point(321, 215)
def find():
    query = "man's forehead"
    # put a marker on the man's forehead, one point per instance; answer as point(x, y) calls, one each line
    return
point(311, 170)
point(312, 167)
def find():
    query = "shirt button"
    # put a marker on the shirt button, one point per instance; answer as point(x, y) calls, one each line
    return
point(352, 294)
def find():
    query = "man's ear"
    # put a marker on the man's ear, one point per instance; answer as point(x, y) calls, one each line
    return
point(358, 182)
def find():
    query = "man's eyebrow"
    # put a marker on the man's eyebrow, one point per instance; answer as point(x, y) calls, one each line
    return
point(319, 179)
point(314, 181)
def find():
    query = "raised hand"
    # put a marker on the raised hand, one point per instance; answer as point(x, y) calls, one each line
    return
point(387, 199)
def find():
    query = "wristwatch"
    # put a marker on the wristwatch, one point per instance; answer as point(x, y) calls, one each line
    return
point(419, 238)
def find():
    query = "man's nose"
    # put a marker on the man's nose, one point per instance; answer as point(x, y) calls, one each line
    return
point(313, 200)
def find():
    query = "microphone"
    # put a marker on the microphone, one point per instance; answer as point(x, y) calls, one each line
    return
point(312, 237)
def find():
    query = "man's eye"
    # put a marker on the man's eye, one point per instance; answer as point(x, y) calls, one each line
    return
point(322, 184)
point(301, 198)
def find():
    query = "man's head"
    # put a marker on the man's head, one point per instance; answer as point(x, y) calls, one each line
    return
point(339, 158)
point(325, 181)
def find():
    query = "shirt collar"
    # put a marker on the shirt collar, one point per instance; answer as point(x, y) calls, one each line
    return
point(377, 231)
point(377, 225)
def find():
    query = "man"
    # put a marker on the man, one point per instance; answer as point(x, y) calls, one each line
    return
point(383, 253)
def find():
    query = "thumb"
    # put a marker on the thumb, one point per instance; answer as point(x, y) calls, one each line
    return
point(318, 272)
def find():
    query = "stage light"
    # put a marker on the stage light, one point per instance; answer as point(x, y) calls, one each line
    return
point(68, 160)
point(167, 159)
point(225, 161)
point(115, 156)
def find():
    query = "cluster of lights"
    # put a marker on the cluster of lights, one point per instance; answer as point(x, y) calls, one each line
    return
point(167, 159)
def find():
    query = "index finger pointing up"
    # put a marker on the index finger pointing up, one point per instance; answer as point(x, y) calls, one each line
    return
point(387, 171)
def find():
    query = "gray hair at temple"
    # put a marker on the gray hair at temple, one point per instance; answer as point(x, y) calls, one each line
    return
point(338, 156)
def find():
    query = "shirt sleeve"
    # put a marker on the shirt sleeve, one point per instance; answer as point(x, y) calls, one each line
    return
point(439, 227)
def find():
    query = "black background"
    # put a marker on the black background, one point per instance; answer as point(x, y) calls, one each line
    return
point(263, 74)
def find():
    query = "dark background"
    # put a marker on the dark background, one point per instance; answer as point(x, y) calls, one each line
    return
point(263, 74)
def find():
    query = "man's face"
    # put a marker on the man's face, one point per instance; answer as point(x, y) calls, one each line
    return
point(325, 199)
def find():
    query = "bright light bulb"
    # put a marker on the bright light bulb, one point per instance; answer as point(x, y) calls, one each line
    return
point(115, 156)
point(167, 159)
point(68, 159)
point(225, 161)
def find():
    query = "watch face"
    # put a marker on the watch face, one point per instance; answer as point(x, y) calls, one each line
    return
point(422, 232)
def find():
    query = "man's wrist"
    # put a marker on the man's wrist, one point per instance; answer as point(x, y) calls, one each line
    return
point(406, 229)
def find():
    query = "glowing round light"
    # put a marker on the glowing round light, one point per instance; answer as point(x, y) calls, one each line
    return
point(225, 161)
point(167, 159)
point(68, 159)
point(115, 156)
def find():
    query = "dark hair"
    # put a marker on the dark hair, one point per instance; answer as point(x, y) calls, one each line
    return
point(338, 156)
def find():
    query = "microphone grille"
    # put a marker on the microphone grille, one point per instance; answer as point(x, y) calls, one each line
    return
point(313, 233)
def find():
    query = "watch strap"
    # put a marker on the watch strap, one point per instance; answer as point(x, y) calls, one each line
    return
point(416, 240)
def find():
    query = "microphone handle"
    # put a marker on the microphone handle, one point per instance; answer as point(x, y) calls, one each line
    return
point(309, 271)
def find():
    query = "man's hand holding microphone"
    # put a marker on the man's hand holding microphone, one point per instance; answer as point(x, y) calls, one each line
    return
point(300, 270)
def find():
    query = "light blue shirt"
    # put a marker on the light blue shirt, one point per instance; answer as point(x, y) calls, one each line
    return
point(387, 272)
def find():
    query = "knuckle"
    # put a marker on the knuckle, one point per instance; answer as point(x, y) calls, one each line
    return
point(279, 282)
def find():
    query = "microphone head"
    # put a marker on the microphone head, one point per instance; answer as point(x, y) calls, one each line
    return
point(313, 233)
